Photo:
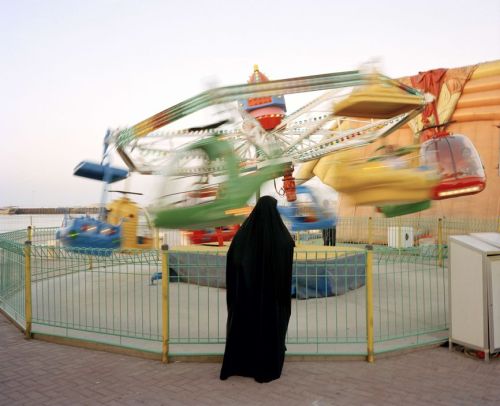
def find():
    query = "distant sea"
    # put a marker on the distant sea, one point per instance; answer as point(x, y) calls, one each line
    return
point(21, 221)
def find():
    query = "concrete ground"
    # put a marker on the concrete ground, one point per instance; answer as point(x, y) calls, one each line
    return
point(37, 372)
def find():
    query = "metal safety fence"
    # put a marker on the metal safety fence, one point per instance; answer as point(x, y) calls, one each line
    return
point(410, 293)
point(12, 278)
point(404, 232)
point(346, 300)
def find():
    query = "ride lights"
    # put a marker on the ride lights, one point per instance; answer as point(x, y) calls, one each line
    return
point(108, 231)
point(462, 191)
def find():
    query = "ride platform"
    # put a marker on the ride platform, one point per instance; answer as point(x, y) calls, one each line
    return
point(318, 271)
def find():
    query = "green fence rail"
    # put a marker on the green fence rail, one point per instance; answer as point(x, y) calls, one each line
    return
point(108, 297)
point(422, 230)
point(116, 297)
point(410, 299)
point(12, 261)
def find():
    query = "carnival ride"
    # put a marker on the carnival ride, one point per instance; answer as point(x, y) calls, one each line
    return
point(213, 235)
point(447, 166)
point(125, 226)
point(460, 166)
point(211, 199)
point(211, 172)
point(88, 232)
point(305, 213)
point(122, 224)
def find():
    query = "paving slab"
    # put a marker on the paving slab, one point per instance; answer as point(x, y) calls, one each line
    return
point(37, 372)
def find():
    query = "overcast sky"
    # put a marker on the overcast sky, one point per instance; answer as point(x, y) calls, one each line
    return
point(71, 69)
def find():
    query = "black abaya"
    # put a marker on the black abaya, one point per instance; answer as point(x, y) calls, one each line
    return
point(258, 282)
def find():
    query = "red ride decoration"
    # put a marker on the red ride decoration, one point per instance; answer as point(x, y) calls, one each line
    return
point(219, 235)
point(271, 111)
point(289, 186)
point(271, 121)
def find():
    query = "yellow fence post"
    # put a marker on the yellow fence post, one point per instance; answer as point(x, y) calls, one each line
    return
point(157, 239)
point(27, 286)
point(370, 230)
point(399, 242)
point(30, 233)
point(158, 243)
point(440, 241)
point(369, 304)
point(164, 303)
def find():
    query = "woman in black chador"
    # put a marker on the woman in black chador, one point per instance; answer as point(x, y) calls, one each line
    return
point(258, 281)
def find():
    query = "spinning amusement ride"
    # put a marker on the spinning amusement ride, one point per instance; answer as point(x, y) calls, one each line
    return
point(211, 171)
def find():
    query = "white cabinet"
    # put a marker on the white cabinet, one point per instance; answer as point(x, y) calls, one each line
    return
point(400, 237)
point(474, 291)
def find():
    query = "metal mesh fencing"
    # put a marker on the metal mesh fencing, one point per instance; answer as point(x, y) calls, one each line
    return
point(97, 295)
point(12, 299)
point(327, 297)
point(421, 231)
point(115, 297)
point(328, 310)
point(400, 232)
point(410, 299)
